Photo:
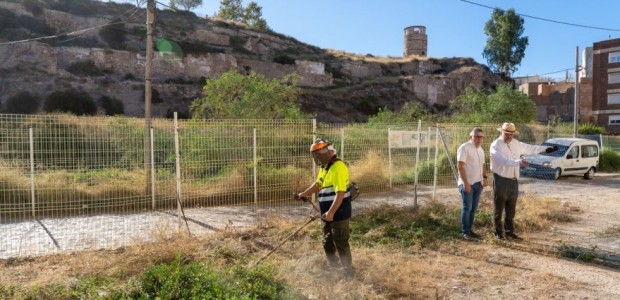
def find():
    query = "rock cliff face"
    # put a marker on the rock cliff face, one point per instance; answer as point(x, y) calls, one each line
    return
point(338, 87)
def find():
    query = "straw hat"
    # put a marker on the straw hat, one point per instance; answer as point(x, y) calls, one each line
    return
point(508, 128)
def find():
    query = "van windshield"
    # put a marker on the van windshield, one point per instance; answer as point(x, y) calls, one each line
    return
point(559, 153)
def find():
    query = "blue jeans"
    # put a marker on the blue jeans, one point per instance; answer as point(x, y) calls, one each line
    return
point(470, 204)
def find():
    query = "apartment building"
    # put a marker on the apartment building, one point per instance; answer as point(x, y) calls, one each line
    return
point(606, 85)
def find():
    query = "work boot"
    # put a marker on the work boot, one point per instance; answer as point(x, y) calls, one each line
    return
point(475, 235)
point(513, 236)
point(468, 237)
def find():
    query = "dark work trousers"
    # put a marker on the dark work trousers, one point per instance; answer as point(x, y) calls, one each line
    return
point(336, 237)
point(504, 197)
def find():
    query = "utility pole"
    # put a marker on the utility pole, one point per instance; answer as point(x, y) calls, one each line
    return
point(148, 88)
point(576, 108)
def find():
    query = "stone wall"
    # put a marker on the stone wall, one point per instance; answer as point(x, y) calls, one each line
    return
point(210, 37)
point(441, 89)
point(361, 69)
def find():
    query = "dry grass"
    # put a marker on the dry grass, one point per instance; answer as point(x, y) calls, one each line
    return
point(535, 214)
point(373, 167)
point(363, 57)
point(452, 269)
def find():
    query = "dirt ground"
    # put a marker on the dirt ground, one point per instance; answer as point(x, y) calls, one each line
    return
point(528, 269)
point(596, 206)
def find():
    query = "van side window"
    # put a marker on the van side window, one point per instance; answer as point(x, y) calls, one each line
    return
point(589, 151)
point(573, 152)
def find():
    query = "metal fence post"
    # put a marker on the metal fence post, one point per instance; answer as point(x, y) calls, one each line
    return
point(417, 160)
point(152, 170)
point(342, 143)
point(389, 158)
point(178, 168)
point(313, 139)
point(435, 168)
point(255, 164)
point(428, 145)
point(31, 138)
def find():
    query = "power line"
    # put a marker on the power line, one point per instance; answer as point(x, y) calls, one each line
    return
point(549, 73)
point(77, 33)
point(544, 19)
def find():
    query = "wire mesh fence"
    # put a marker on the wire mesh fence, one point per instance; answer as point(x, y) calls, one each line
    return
point(72, 183)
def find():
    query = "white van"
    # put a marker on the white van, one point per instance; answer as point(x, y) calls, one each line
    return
point(573, 157)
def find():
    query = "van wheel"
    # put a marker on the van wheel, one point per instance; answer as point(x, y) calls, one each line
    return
point(557, 174)
point(589, 175)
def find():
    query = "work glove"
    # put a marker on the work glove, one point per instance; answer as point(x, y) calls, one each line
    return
point(551, 149)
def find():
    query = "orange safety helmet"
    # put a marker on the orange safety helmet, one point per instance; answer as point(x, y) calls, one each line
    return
point(319, 144)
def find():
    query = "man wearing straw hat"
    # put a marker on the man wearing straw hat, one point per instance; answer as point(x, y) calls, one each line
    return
point(506, 160)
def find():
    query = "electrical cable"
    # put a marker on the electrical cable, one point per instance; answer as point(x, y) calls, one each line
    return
point(544, 19)
point(77, 33)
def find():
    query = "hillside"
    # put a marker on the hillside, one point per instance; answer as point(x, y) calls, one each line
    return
point(109, 60)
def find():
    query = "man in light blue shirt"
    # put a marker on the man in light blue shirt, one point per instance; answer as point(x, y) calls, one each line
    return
point(505, 163)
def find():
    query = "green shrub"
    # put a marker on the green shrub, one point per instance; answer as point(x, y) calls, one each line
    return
point(589, 128)
point(284, 59)
point(85, 68)
point(22, 103)
point(193, 280)
point(111, 106)
point(610, 161)
point(197, 47)
point(72, 101)
point(132, 49)
point(155, 97)
point(115, 35)
point(129, 76)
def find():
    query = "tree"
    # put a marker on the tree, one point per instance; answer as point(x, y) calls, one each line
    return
point(112, 106)
point(187, 4)
point(251, 15)
point(72, 101)
point(475, 106)
point(22, 103)
point(234, 96)
point(505, 46)
point(412, 111)
point(231, 10)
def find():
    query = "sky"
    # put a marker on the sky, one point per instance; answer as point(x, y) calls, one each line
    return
point(455, 28)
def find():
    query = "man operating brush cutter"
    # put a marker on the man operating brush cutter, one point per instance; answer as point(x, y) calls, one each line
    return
point(334, 195)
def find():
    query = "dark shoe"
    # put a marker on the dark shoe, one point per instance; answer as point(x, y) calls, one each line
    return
point(475, 235)
point(468, 237)
point(349, 272)
point(499, 236)
point(513, 236)
point(330, 266)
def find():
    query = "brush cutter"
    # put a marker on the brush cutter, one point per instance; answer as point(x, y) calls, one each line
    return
point(312, 218)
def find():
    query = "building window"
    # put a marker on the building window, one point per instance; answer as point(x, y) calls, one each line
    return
point(614, 120)
point(614, 57)
point(613, 99)
point(614, 77)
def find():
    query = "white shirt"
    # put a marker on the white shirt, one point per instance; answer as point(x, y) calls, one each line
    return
point(505, 158)
point(474, 160)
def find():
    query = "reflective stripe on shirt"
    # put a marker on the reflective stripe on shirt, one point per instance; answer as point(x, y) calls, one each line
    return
point(328, 194)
